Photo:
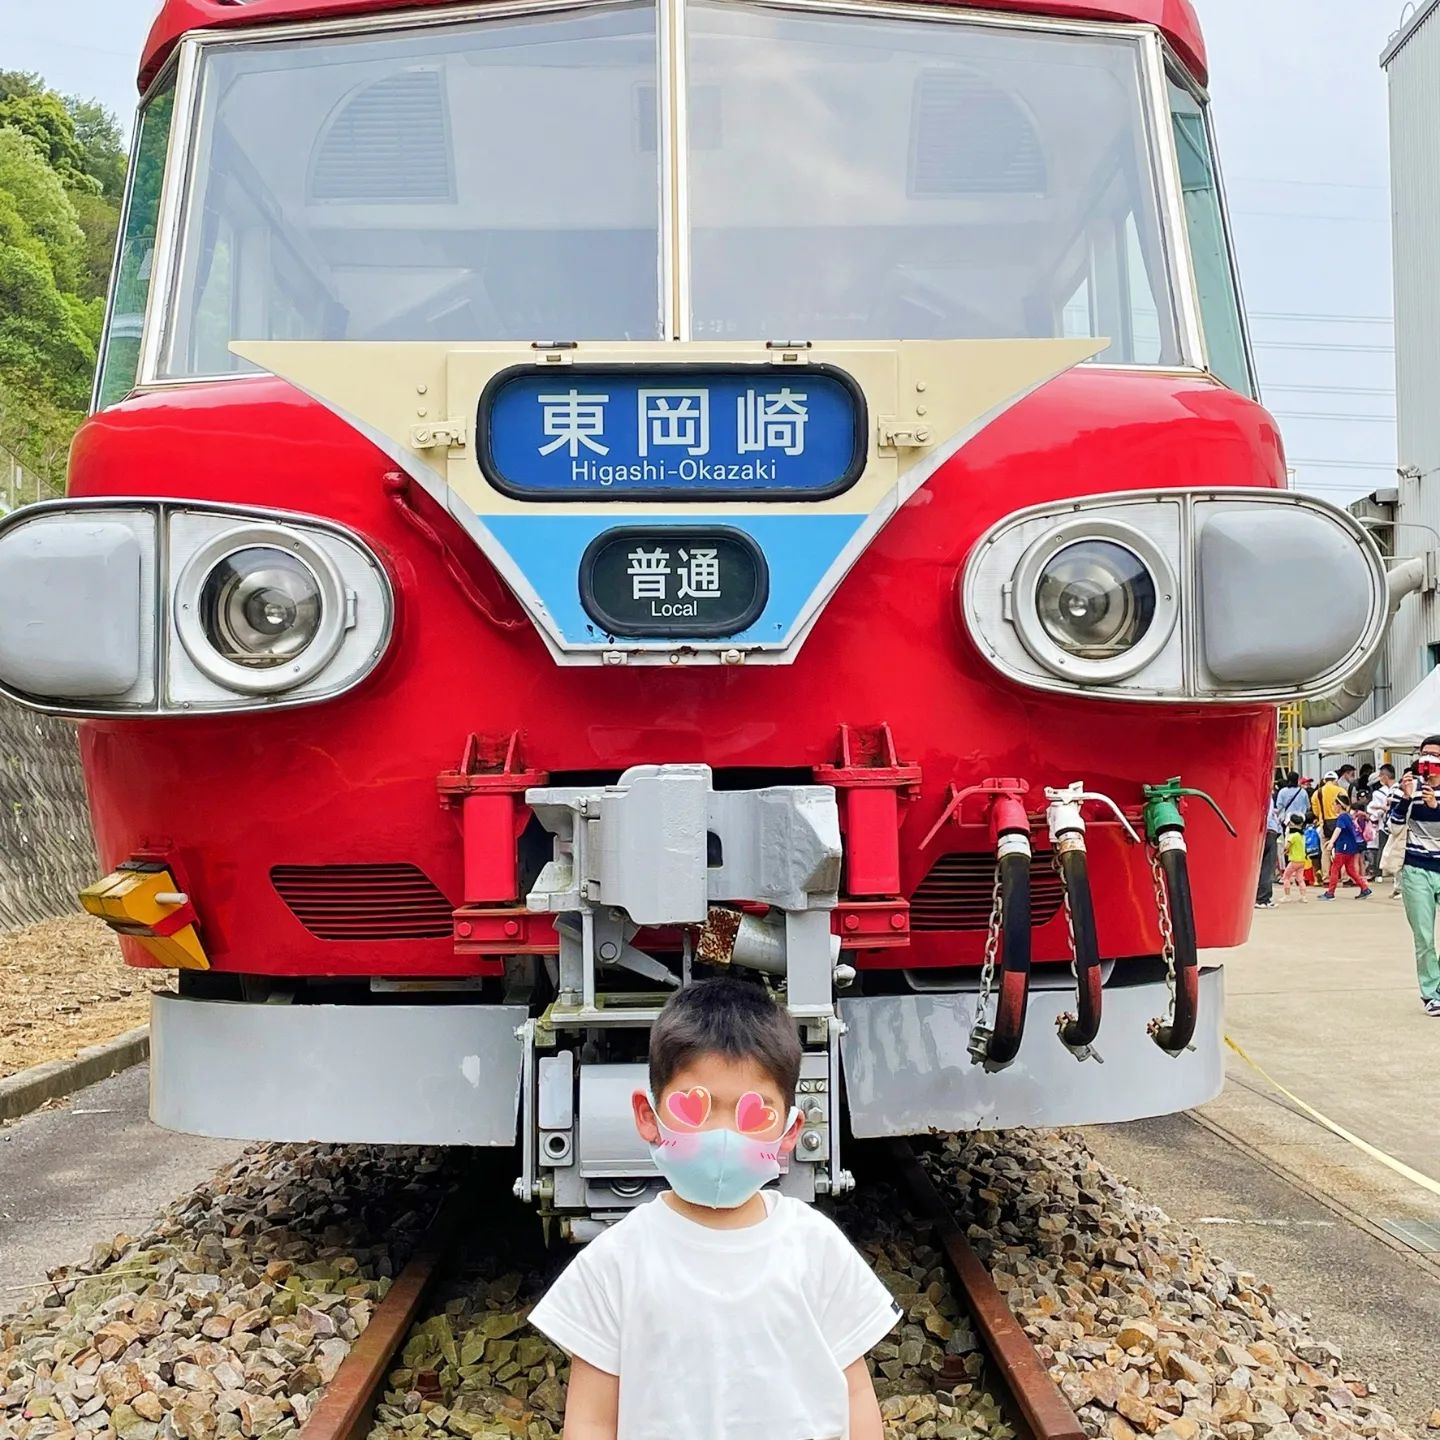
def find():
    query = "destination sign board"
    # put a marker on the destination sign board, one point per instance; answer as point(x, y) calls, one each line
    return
point(674, 580)
point(672, 432)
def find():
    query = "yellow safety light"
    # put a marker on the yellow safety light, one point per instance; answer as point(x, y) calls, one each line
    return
point(142, 900)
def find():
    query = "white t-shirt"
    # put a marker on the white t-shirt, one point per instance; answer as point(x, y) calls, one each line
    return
point(722, 1334)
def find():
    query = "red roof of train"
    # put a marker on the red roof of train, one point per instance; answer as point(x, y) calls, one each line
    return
point(1176, 18)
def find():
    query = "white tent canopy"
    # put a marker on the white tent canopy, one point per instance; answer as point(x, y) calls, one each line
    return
point(1403, 728)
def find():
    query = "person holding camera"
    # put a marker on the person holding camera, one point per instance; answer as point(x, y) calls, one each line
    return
point(1417, 807)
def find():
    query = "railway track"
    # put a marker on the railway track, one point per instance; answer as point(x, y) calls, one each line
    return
point(1013, 1369)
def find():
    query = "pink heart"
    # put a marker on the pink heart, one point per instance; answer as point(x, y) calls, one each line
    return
point(690, 1107)
point(753, 1116)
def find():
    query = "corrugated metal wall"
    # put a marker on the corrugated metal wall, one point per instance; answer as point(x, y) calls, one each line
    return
point(1414, 71)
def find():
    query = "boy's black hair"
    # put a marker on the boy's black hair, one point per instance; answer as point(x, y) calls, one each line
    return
point(1297, 823)
point(1350, 769)
point(730, 1017)
point(1430, 740)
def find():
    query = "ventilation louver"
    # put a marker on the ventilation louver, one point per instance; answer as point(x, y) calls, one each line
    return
point(956, 894)
point(389, 144)
point(969, 137)
point(364, 902)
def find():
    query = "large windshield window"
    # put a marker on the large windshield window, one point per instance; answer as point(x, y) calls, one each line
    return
point(849, 176)
point(495, 181)
point(863, 177)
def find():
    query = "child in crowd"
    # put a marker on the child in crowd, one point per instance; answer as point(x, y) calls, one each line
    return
point(1365, 829)
point(719, 1310)
point(1294, 872)
point(1314, 845)
point(1349, 846)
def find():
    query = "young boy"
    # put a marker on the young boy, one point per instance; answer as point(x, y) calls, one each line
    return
point(1349, 846)
point(1294, 858)
point(719, 1310)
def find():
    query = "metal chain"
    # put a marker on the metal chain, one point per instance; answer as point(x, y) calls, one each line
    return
point(1167, 929)
point(1069, 917)
point(1065, 1018)
point(992, 946)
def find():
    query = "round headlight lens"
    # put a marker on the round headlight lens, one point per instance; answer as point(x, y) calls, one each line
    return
point(260, 607)
point(1095, 599)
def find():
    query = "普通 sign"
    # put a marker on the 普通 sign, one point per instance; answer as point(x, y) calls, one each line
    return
point(680, 580)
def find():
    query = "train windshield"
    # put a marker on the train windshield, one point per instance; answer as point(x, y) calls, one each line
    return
point(820, 176)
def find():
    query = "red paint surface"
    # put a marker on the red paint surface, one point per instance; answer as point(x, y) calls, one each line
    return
point(354, 780)
point(1176, 18)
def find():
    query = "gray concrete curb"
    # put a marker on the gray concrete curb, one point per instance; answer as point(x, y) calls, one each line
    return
point(29, 1089)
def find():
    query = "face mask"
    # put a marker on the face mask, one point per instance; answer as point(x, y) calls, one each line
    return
point(720, 1169)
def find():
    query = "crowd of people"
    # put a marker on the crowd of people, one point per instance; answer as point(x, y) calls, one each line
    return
point(1362, 828)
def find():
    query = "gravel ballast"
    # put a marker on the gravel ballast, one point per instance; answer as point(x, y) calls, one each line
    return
point(236, 1307)
point(231, 1312)
point(1144, 1330)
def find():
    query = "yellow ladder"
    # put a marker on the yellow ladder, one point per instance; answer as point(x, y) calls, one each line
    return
point(1288, 738)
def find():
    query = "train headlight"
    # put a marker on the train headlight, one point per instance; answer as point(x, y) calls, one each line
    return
point(1171, 596)
point(146, 607)
point(1094, 600)
point(261, 607)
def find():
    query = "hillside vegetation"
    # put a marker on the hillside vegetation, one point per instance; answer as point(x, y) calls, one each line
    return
point(62, 176)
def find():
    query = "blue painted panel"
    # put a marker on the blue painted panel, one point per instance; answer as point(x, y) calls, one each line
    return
point(799, 549)
point(700, 434)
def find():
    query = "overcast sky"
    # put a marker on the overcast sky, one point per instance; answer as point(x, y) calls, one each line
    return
point(1301, 108)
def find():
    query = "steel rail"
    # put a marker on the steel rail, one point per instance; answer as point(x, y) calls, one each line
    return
point(346, 1409)
point(1034, 1399)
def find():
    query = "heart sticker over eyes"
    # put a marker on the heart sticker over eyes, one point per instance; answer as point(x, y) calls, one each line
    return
point(690, 1107)
point(753, 1116)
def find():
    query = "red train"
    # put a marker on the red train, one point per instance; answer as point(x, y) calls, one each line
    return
point(582, 493)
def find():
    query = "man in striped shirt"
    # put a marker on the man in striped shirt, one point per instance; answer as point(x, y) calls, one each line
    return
point(1417, 807)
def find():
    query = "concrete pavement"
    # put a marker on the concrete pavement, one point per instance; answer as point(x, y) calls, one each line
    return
point(1324, 999)
point(85, 1172)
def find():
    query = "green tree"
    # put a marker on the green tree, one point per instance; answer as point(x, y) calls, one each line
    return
point(50, 125)
point(45, 209)
point(38, 435)
point(62, 172)
point(48, 330)
point(20, 84)
point(99, 220)
point(47, 340)
point(97, 132)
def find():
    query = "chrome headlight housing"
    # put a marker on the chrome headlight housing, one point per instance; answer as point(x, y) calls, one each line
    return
point(1178, 595)
point(1095, 599)
point(260, 609)
point(150, 607)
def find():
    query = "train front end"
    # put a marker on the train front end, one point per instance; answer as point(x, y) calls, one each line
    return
point(583, 496)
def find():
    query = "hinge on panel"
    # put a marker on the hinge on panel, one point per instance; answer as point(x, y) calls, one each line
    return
point(901, 435)
point(788, 352)
point(554, 352)
point(439, 434)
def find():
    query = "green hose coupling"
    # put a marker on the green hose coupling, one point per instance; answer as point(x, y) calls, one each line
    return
point(1162, 808)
